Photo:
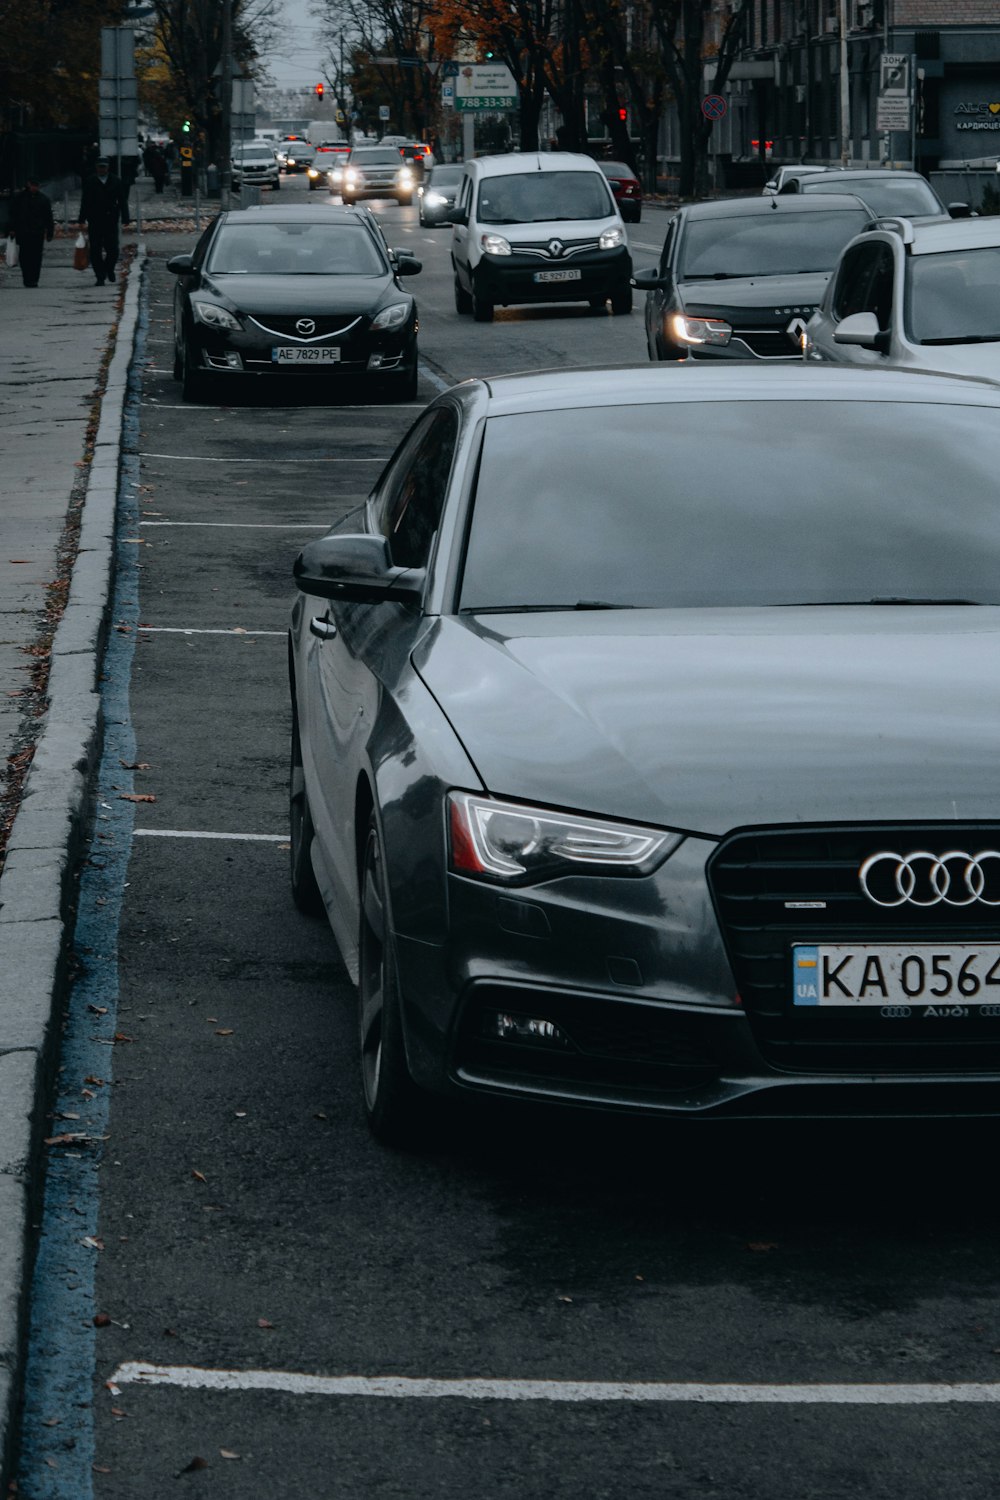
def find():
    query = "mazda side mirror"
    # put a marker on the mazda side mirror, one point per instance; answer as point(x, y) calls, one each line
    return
point(181, 265)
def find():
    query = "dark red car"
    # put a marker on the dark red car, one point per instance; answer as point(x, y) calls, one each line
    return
point(625, 186)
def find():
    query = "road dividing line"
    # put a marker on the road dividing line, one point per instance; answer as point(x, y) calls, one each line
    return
point(399, 1387)
point(192, 833)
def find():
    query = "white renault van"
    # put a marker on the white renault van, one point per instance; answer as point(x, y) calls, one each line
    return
point(537, 227)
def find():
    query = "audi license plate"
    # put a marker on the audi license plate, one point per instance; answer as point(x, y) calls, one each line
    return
point(558, 275)
point(306, 356)
point(877, 974)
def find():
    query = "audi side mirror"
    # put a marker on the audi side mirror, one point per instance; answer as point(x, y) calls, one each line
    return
point(357, 569)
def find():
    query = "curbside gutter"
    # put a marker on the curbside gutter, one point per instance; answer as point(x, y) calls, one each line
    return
point(37, 887)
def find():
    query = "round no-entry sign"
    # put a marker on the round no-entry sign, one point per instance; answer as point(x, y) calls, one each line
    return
point(713, 106)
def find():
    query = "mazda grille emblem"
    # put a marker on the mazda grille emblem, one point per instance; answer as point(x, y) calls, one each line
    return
point(555, 248)
point(305, 326)
point(924, 879)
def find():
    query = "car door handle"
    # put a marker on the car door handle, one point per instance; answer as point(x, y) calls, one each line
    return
point(324, 630)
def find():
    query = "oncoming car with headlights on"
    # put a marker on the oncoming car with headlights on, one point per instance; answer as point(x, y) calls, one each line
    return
point(287, 293)
point(655, 804)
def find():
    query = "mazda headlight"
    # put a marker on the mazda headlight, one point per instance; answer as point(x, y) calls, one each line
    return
point(699, 330)
point(611, 239)
point(495, 244)
point(514, 844)
point(393, 316)
point(214, 316)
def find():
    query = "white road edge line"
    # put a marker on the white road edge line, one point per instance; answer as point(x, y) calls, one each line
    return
point(399, 1387)
point(191, 833)
point(183, 630)
point(198, 458)
point(245, 525)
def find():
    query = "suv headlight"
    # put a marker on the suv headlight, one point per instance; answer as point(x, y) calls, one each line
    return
point(699, 330)
point(495, 244)
point(514, 844)
point(393, 316)
point(214, 316)
point(611, 239)
point(406, 177)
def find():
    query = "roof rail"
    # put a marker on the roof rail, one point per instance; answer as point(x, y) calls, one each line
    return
point(900, 226)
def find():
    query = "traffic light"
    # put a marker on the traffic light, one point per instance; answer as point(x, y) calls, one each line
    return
point(186, 127)
point(623, 113)
point(489, 56)
point(319, 92)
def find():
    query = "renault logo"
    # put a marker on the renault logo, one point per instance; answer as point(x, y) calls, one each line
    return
point(555, 248)
point(305, 326)
point(920, 878)
point(796, 331)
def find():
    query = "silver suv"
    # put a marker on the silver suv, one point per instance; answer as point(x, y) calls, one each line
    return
point(256, 165)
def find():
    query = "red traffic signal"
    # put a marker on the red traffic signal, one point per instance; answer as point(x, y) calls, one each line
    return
point(622, 113)
point(319, 91)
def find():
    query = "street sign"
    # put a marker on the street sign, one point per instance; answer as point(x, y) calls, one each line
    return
point(116, 92)
point(450, 69)
point(892, 113)
point(485, 86)
point(713, 107)
point(383, 111)
point(447, 96)
point(894, 74)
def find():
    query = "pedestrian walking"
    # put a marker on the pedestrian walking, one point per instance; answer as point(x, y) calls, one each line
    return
point(31, 225)
point(157, 168)
point(103, 206)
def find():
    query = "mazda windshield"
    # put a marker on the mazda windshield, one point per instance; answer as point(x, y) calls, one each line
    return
point(294, 249)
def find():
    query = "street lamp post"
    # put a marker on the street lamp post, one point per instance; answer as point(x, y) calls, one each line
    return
point(226, 131)
point(845, 88)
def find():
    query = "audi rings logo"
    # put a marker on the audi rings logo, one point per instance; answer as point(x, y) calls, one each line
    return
point(305, 326)
point(920, 878)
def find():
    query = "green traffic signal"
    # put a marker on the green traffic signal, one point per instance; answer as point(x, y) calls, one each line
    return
point(186, 127)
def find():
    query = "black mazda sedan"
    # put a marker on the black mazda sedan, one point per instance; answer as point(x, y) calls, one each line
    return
point(292, 293)
point(642, 761)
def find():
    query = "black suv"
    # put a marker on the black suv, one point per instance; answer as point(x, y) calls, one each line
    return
point(740, 279)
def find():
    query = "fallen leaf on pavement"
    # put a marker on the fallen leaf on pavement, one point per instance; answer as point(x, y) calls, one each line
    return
point(196, 1463)
point(136, 797)
point(263, 1323)
point(198, 1176)
point(762, 1245)
point(100, 1468)
point(135, 765)
point(225, 1031)
point(101, 1320)
point(225, 1453)
point(51, 1421)
point(92, 1242)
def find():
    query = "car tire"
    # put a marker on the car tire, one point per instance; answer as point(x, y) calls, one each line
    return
point(621, 300)
point(305, 889)
point(463, 301)
point(637, 216)
point(482, 311)
point(346, 200)
point(276, 184)
point(194, 382)
point(396, 1109)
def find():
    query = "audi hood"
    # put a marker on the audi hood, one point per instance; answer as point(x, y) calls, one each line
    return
point(709, 720)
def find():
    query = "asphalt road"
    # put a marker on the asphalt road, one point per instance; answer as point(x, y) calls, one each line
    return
point(241, 1219)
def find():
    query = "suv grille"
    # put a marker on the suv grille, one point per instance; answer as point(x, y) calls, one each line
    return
point(768, 343)
point(754, 875)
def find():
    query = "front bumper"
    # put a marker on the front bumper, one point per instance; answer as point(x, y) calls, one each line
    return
point(250, 352)
point(510, 279)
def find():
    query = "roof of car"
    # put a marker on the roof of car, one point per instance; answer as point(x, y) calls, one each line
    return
point(865, 174)
point(735, 208)
point(294, 213)
point(934, 236)
point(533, 161)
point(552, 390)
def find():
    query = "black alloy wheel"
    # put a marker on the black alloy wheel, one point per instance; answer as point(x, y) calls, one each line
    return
point(305, 889)
point(395, 1107)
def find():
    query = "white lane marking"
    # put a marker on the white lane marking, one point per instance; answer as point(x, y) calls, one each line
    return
point(197, 458)
point(191, 833)
point(245, 525)
point(255, 411)
point(398, 1387)
point(435, 380)
point(188, 630)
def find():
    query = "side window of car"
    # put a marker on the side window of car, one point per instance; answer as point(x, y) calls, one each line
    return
point(668, 243)
point(878, 298)
point(409, 508)
point(853, 281)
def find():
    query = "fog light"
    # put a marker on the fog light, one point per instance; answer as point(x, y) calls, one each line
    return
point(505, 1027)
point(233, 360)
point(375, 361)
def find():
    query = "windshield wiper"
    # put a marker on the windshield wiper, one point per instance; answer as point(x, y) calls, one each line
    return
point(967, 338)
point(537, 609)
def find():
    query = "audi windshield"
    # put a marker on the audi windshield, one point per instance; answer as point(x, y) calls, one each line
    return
point(858, 504)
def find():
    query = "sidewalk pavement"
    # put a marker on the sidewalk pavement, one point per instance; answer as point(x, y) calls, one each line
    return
point(67, 347)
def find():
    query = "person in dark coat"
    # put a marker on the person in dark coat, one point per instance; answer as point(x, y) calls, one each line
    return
point(31, 225)
point(157, 167)
point(103, 206)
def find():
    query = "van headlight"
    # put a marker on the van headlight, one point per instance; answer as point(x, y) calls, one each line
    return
point(611, 239)
point(495, 244)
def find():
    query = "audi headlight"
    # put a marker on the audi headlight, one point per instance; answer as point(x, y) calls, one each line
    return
point(214, 316)
point(495, 244)
point(393, 316)
point(611, 239)
point(514, 844)
point(699, 330)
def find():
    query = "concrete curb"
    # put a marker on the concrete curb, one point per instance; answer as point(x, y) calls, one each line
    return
point(37, 885)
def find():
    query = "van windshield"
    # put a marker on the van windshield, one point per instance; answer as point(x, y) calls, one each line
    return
point(536, 197)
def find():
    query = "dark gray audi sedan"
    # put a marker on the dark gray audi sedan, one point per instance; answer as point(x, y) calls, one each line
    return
point(641, 760)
